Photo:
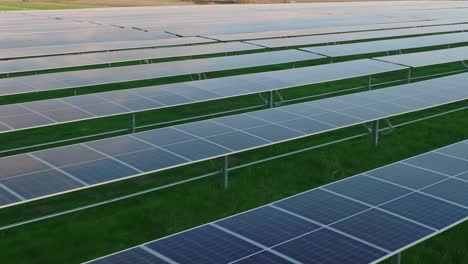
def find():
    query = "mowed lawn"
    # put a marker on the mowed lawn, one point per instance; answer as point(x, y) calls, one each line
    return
point(91, 233)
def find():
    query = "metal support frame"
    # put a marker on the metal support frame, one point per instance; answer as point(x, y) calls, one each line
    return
point(375, 133)
point(396, 259)
point(225, 173)
point(369, 83)
point(409, 75)
point(132, 123)
point(270, 99)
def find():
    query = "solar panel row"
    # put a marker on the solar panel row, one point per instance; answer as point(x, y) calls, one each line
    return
point(80, 60)
point(56, 111)
point(74, 79)
point(389, 45)
point(361, 219)
point(332, 38)
point(331, 30)
point(40, 174)
point(12, 53)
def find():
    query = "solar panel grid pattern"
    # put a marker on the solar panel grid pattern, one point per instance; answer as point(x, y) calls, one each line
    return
point(74, 79)
point(389, 45)
point(331, 38)
point(80, 60)
point(54, 111)
point(12, 53)
point(340, 228)
point(179, 145)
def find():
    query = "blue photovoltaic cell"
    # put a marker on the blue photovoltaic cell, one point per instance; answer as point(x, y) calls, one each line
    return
point(204, 129)
point(368, 190)
point(68, 155)
point(6, 197)
point(99, 171)
point(240, 121)
point(321, 206)
point(19, 165)
point(382, 229)
point(133, 256)
point(264, 257)
point(457, 150)
point(267, 226)
point(306, 125)
point(327, 247)
point(440, 163)
point(119, 145)
point(41, 183)
point(273, 132)
point(463, 176)
point(407, 175)
point(152, 159)
point(164, 136)
point(237, 140)
point(427, 210)
point(452, 190)
point(203, 245)
point(197, 149)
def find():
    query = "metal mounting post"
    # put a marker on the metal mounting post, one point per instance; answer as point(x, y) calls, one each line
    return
point(409, 75)
point(369, 83)
point(133, 123)
point(396, 259)
point(270, 99)
point(375, 133)
point(74, 91)
point(225, 173)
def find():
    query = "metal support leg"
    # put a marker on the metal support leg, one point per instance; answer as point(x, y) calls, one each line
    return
point(270, 100)
point(409, 75)
point(396, 259)
point(369, 83)
point(225, 173)
point(74, 91)
point(133, 123)
point(375, 133)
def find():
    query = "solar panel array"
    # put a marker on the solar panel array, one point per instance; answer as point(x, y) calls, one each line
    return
point(14, 117)
point(332, 38)
point(13, 53)
point(361, 219)
point(389, 45)
point(330, 30)
point(428, 58)
point(40, 174)
point(74, 79)
point(64, 61)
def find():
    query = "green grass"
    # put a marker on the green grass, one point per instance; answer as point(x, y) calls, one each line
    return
point(13, 6)
point(95, 232)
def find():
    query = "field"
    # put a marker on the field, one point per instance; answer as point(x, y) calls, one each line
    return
point(153, 206)
point(122, 224)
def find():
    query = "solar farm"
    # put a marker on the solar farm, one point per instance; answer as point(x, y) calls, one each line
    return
point(255, 133)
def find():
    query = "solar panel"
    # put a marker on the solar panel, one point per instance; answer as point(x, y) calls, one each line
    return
point(329, 30)
point(69, 109)
point(427, 58)
point(74, 79)
point(331, 38)
point(80, 60)
point(11, 53)
point(194, 142)
point(330, 224)
point(92, 35)
point(389, 45)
